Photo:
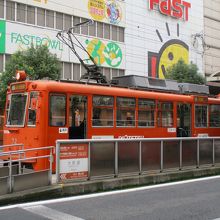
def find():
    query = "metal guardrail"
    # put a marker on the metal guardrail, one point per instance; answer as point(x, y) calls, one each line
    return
point(13, 178)
point(115, 157)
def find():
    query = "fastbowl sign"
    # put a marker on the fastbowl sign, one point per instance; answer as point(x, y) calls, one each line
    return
point(14, 37)
point(28, 40)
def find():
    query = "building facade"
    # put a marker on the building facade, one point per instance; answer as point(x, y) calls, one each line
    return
point(212, 39)
point(26, 22)
point(141, 37)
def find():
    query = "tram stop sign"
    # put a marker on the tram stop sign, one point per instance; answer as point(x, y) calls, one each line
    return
point(73, 161)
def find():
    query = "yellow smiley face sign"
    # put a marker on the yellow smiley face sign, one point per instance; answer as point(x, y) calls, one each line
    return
point(170, 54)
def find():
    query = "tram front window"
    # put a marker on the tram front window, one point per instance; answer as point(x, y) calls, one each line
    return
point(16, 115)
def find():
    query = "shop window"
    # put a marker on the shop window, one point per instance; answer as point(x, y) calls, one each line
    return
point(76, 20)
point(121, 35)
point(102, 111)
point(121, 72)
point(214, 116)
point(59, 21)
point(125, 112)
point(114, 33)
point(10, 10)
point(1, 63)
point(107, 31)
point(57, 110)
point(146, 110)
point(84, 28)
point(100, 30)
point(67, 22)
point(21, 12)
point(76, 71)
point(201, 116)
point(1, 8)
point(7, 58)
point(107, 73)
point(30, 15)
point(68, 71)
point(114, 73)
point(165, 114)
point(40, 17)
point(92, 29)
point(49, 18)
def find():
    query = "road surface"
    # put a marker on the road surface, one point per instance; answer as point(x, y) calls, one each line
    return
point(193, 199)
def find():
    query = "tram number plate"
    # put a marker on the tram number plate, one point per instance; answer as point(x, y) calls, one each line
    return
point(63, 130)
point(171, 130)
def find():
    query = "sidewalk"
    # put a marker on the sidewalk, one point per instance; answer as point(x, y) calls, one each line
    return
point(92, 186)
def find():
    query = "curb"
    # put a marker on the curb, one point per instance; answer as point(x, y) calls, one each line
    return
point(92, 186)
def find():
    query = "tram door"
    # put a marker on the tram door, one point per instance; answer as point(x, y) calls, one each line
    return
point(183, 120)
point(77, 117)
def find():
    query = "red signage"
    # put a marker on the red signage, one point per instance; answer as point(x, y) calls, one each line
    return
point(175, 8)
point(73, 161)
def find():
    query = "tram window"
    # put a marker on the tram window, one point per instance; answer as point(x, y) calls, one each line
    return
point(214, 116)
point(146, 109)
point(32, 109)
point(57, 110)
point(125, 112)
point(16, 115)
point(201, 116)
point(165, 114)
point(102, 111)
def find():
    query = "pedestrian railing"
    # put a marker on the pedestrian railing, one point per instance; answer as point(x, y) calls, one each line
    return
point(91, 158)
point(14, 177)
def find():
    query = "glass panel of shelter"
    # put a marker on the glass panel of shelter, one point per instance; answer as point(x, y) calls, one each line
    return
point(77, 116)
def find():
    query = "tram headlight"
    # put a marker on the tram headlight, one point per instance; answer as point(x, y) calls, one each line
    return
point(21, 75)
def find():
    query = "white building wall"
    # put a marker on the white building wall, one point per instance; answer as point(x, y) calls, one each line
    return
point(142, 38)
point(212, 36)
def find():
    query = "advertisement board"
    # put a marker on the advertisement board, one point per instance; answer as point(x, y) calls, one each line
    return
point(107, 11)
point(105, 53)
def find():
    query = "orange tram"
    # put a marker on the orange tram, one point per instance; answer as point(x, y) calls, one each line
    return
point(40, 112)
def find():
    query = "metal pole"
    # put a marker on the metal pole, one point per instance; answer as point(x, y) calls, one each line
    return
point(197, 153)
point(51, 161)
point(181, 154)
point(10, 175)
point(57, 162)
point(161, 156)
point(19, 164)
point(89, 161)
point(140, 157)
point(116, 159)
point(213, 152)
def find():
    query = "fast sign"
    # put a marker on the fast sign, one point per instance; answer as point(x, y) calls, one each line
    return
point(175, 8)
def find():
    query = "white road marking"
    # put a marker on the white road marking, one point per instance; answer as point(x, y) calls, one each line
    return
point(74, 198)
point(50, 213)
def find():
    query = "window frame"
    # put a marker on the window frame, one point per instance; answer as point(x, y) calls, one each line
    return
point(103, 107)
point(29, 103)
point(160, 112)
point(128, 109)
point(49, 121)
point(210, 116)
point(147, 110)
point(207, 115)
point(25, 112)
